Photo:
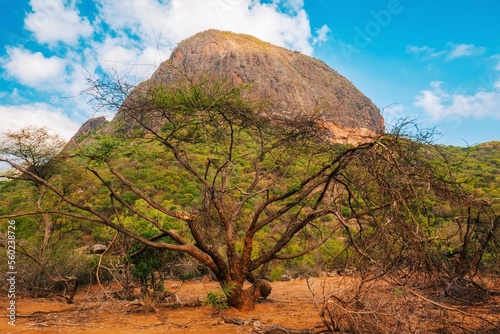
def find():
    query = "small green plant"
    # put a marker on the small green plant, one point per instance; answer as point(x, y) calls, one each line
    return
point(217, 301)
point(228, 289)
point(398, 292)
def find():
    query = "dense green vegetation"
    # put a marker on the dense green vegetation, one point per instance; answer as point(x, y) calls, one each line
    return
point(217, 181)
point(478, 166)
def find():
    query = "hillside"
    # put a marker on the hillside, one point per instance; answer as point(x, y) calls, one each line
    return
point(479, 166)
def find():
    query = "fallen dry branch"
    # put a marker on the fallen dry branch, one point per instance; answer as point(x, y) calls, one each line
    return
point(99, 265)
point(36, 313)
point(453, 309)
point(271, 329)
point(137, 326)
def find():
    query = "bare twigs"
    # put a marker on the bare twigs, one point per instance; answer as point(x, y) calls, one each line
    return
point(393, 305)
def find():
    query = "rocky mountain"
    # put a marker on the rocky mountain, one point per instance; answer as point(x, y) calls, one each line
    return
point(295, 84)
point(87, 127)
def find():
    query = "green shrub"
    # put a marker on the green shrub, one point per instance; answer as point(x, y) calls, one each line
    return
point(218, 302)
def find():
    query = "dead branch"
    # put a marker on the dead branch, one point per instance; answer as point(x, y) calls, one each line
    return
point(270, 329)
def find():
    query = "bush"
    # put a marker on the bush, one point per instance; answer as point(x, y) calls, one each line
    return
point(62, 261)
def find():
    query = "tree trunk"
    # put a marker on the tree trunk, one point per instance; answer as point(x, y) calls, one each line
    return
point(245, 299)
point(48, 225)
point(48, 231)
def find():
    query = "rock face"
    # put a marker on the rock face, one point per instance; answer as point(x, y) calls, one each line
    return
point(90, 125)
point(294, 83)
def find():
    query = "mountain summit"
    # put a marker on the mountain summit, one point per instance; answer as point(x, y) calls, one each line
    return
point(294, 83)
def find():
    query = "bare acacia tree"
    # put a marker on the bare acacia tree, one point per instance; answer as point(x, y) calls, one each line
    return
point(259, 179)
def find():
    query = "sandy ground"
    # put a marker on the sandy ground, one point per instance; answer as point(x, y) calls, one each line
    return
point(289, 305)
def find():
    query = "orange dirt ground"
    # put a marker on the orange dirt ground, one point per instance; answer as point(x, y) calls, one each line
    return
point(289, 305)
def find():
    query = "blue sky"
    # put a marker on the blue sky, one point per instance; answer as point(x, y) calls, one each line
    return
point(435, 61)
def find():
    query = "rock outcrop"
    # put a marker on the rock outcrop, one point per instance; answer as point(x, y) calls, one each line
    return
point(91, 125)
point(294, 83)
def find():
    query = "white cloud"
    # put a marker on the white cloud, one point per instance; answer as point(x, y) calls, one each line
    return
point(136, 36)
point(145, 32)
point(12, 97)
point(452, 51)
point(164, 24)
point(424, 51)
point(66, 77)
point(55, 21)
point(131, 38)
point(464, 50)
point(416, 49)
point(439, 104)
point(322, 34)
point(128, 59)
point(34, 70)
point(497, 57)
point(496, 84)
point(38, 114)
